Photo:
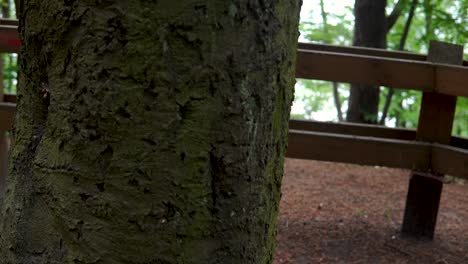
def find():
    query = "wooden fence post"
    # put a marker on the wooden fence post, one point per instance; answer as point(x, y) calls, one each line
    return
point(435, 126)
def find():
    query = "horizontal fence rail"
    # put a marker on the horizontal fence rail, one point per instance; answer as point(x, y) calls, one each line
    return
point(8, 22)
point(9, 39)
point(397, 73)
point(450, 160)
point(391, 54)
point(417, 156)
point(358, 150)
point(366, 131)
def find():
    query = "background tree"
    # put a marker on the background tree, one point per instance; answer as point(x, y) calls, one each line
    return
point(370, 30)
point(149, 131)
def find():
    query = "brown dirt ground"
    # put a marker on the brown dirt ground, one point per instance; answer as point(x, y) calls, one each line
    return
point(342, 213)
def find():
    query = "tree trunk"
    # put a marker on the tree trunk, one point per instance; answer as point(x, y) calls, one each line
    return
point(149, 131)
point(369, 31)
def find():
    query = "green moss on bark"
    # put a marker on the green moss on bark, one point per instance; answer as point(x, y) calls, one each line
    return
point(150, 132)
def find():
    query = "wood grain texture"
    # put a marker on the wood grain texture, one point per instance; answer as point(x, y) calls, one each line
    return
point(359, 150)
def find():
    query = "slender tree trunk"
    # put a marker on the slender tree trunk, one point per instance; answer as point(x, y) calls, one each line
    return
point(324, 18)
point(395, 14)
point(149, 131)
point(336, 97)
point(401, 46)
point(369, 31)
point(336, 94)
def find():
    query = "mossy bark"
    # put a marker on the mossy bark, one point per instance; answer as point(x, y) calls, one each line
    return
point(149, 131)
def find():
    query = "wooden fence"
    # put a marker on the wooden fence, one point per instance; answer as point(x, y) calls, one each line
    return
point(376, 145)
point(428, 151)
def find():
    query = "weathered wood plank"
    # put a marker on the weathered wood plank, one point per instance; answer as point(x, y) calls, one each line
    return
point(404, 74)
point(7, 107)
point(423, 157)
point(353, 129)
point(353, 50)
point(9, 41)
point(365, 130)
point(436, 118)
point(358, 150)
point(365, 51)
point(450, 160)
point(339, 67)
point(451, 80)
point(438, 110)
point(9, 98)
point(8, 22)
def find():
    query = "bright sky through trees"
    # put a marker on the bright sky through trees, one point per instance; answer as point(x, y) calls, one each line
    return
point(310, 12)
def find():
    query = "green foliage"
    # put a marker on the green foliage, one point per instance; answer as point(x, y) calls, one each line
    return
point(404, 110)
point(338, 33)
point(9, 61)
point(10, 70)
point(460, 127)
point(434, 19)
point(331, 28)
point(7, 8)
point(317, 98)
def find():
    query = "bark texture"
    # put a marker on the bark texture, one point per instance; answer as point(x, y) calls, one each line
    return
point(149, 131)
point(370, 30)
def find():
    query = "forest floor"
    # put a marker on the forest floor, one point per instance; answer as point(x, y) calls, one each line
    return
point(341, 213)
